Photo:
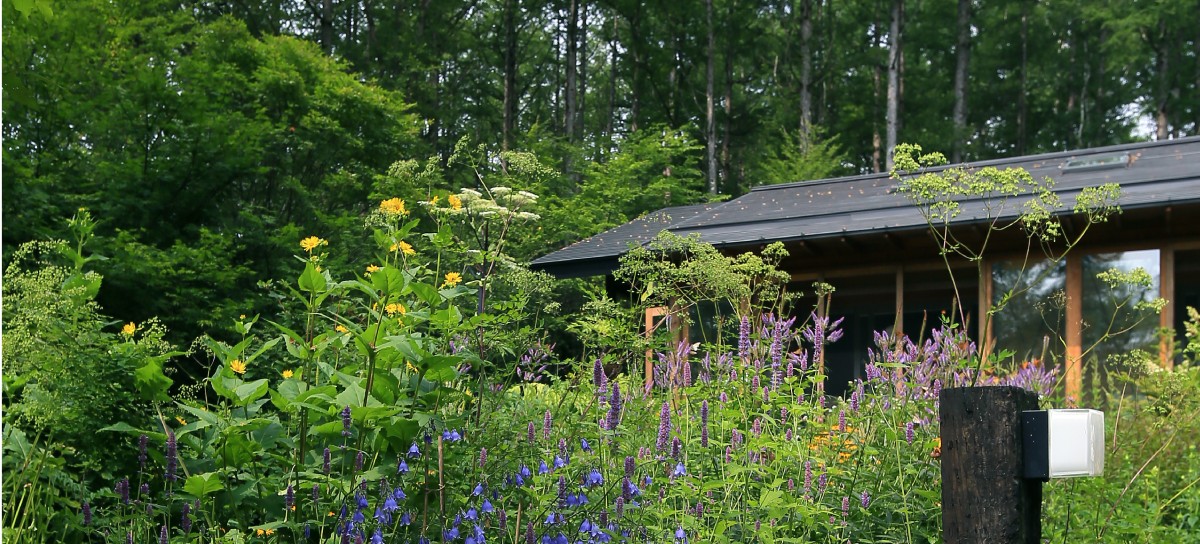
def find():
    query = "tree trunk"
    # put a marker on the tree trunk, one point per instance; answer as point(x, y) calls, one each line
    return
point(726, 159)
point(327, 26)
point(508, 125)
point(805, 73)
point(1161, 118)
point(963, 53)
point(893, 87)
point(876, 80)
point(1023, 95)
point(571, 71)
point(710, 121)
point(635, 45)
point(612, 83)
point(581, 102)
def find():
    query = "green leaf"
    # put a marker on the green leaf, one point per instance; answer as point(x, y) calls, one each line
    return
point(249, 392)
point(311, 280)
point(150, 381)
point(201, 485)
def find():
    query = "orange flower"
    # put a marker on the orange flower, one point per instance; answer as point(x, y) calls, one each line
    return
point(455, 202)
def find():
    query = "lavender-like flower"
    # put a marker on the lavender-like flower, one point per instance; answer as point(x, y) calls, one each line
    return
point(529, 433)
point(346, 421)
point(163, 536)
point(808, 477)
point(143, 444)
point(744, 338)
point(676, 448)
point(598, 377)
point(704, 424)
point(326, 460)
point(614, 408)
point(546, 422)
point(289, 497)
point(630, 465)
point(529, 536)
point(87, 513)
point(620, 506)
point(865, 499)
point(856, 396)
point(908, 432)
point(122, 490)
point(482, 457)
point(664, 427)
point(185, 520)
point(144, 489)
point(358, 461)
point(845, 506)
point(172, 456)
point(841, 421)
point(316, 492)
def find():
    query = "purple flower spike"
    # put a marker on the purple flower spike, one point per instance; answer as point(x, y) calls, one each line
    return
point(172, 456)
point(289, 497)
point(316, 492)
point(744, 338)
point(529, 433)
point(326, 460)
point(865, 499)
point(664, 427)
point(630, 465)
point(87, 514)
point(614, 408)
point(546, 422)
point(185, 521)
point(163, 536)
point(346, 421)
point(358, 461)
point(143, 444)
point(122, 490)
point(704, 423)
point(908, 432)
point(482, 457)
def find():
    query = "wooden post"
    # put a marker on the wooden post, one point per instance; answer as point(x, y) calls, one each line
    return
point(985, 499)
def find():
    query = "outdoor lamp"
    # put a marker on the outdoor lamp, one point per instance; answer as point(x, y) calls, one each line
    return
point(1062, 443)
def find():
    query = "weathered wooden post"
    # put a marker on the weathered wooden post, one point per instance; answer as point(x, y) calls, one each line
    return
point(985, 496)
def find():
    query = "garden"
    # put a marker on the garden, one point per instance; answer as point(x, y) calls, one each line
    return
point(408, 394)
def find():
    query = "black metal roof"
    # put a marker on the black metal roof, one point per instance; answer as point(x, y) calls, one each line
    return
point(1150, 174)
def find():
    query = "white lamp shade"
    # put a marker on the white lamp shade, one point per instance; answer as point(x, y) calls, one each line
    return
point(1076, 443)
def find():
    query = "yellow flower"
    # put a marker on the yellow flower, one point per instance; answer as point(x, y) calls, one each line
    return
point(452, 279)
point(272, 531)
point(373, 268)
point(410, 366)
point(238, 366)
point(341, 329)
point(405, 248)
point(243, 316)
point(393, 206)
point(287, 374)
point(311, 243)
point(181, 420)
point(129, 329)
point(433, 201)
point(455, 202)
point(394, 308)
point(260, 532)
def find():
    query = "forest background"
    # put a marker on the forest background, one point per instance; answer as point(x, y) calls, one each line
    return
point(208, 137)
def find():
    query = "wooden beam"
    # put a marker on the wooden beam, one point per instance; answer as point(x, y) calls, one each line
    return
point(986, 342)
point(1166, 290)
point(1073, 362)
point(898, 329)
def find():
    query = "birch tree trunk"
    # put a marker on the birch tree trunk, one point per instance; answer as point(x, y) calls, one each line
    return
point(963, 53)
point(710, 121)
point(893, 88)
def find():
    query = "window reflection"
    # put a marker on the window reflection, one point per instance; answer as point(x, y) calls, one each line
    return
point(1110, 315)
point(1032, 308)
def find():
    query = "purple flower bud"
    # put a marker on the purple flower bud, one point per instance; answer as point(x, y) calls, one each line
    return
point(676, 448)
point(598, 377)
point(841, 421)
point(172, 456)
point(845, 506)
point(620, 506)
point(756, 427)
point(346, 421)
point(630, 465)
point(289, 497)
point(358, 461)
point(766, 395)
point(908, 432)
point(822, 481)
point(728, 454)
point(791, 484)
point(808, 476)
point(326, 460)
point(482, 457)
point(143, 489)
point(865, 499)
point(664, 427)
point(546, 422)
point(529, 433)
point(704, 424)
point(316, 492)
point(163, 536)
point(529, 536)
point(87, 514)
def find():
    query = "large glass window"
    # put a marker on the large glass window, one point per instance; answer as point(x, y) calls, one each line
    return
point(1113, 326)
point(1030, 300)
